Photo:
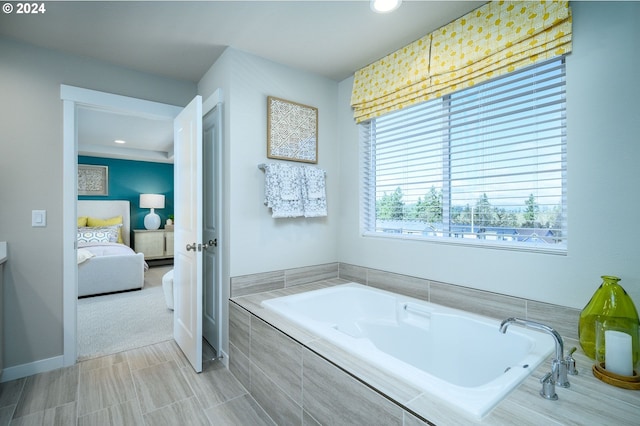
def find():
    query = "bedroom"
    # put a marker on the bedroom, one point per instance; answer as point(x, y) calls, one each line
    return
point(104, 324)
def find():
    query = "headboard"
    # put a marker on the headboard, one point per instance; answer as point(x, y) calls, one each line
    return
point(106, 209)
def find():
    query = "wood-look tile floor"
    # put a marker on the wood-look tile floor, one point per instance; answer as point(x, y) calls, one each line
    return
point(152, 385)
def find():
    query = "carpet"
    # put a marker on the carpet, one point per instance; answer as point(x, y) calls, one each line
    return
point(118, 322)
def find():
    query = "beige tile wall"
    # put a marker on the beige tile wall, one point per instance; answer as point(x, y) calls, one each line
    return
point(494, 305)
point(307, 374)
point(296, 386)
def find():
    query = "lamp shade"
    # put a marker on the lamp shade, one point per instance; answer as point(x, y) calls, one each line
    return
point(151, 201)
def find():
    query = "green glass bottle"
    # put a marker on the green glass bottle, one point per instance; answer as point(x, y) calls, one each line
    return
point(610, 305)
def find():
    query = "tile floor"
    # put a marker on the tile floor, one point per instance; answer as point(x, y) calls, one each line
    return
point(152, 385)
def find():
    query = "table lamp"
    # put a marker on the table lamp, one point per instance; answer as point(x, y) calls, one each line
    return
point(152, 201)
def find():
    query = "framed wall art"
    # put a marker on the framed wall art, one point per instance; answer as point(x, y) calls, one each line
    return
point(292, 131)
point(93, 180)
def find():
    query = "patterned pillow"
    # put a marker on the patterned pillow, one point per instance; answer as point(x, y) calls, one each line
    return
point(96, 223)
point(106, 234)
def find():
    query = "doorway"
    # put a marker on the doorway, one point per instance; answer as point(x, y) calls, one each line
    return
point(73, 97)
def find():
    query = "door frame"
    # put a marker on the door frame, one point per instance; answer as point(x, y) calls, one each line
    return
point(72, 97)
point(208, 104)
point(210, 108)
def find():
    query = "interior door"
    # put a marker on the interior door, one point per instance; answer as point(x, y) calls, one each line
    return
point(187, 275)
point(211, 294)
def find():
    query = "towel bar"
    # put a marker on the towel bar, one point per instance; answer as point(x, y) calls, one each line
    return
point(263, 167)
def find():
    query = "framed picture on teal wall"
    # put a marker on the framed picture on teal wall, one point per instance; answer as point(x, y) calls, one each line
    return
point(93, 180)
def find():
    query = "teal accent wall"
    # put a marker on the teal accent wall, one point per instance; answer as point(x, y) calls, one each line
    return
point(128, 179)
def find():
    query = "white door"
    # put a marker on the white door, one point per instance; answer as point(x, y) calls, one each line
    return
point(211, 299)
point(187, 275)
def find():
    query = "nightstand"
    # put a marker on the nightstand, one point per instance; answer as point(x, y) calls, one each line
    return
point(155, 244)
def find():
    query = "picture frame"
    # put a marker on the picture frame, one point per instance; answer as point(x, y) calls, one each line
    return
point(292, 131)
point(93, 180)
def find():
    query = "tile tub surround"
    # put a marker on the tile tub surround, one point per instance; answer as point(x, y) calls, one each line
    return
point(256, 283)
point(493, 305)
point(324, 384)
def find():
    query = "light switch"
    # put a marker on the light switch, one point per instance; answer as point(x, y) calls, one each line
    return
point(38, 218)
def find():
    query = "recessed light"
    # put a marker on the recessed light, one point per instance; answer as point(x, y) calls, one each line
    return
point(385, 6)
point(120, 141)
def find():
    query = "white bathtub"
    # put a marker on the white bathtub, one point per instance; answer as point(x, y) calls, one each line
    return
point(457, 356)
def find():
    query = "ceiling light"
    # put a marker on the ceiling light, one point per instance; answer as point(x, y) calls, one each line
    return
point(385, 6)
point(120, 141)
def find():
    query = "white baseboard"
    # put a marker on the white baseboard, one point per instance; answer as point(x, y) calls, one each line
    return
point(225, 358)
point(44, 365)
point(25, 370)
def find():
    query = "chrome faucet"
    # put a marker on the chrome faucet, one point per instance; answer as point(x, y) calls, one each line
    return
point(559, 364)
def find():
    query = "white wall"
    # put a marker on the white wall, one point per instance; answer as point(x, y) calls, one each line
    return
point(251, 240)
point(259, 242)
point(31, 178)
point(603, 124)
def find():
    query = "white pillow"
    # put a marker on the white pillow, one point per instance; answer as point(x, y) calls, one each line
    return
point(84, 254)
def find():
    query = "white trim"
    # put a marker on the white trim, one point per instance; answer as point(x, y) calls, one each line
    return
point(69, 224)
point(25, 370)
point(213, 100)
point(222, 302)
point(470, 242)
point(208, 105)
point(72, 97)
point(110, 102)
point(225, 358)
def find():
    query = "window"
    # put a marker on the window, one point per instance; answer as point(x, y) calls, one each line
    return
point(485, 165)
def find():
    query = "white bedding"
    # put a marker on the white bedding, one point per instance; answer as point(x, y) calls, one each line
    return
point(89, 250)
point(108, 267)
point(105, 249)
point(112, 273)
point(84, 255)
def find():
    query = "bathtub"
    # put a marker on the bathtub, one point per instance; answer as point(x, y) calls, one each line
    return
point(456, 356)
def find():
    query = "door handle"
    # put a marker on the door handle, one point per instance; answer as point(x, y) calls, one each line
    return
point(210, 243)
point(191, 247)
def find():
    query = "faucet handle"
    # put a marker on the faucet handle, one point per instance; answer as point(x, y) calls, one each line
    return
point(571, 362)
point(548, 390)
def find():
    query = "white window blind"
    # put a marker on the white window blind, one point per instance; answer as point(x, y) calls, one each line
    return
point(484, 165)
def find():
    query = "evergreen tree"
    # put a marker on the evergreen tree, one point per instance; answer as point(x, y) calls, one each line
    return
point(483, 211)
point(434, 205)
point(531, 212)
point(504, 218)
point(390, 207)
point(430, 210)
point(461, 215)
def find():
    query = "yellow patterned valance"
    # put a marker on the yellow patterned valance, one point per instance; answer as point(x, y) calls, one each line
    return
point(394, 76)
point(495, 39)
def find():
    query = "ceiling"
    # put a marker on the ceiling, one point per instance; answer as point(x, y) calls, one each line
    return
point(182, 39)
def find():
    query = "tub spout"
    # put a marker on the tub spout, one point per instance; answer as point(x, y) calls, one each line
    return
point(559, 364)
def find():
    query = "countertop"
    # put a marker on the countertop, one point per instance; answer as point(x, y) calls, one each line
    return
point(3, 252)
point(588, 401)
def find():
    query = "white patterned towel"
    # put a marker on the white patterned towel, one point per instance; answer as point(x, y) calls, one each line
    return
point(283, 190)
point(315, 198)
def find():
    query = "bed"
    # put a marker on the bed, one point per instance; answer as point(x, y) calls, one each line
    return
point(106, 266)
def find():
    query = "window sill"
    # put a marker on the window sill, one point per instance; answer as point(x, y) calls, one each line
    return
point(561, 250)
